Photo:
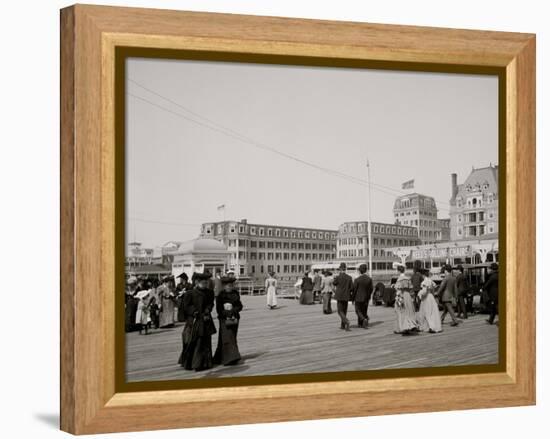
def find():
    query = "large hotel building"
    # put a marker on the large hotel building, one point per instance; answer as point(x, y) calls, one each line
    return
point(474, 205)
point(420, 211)
point(353, 243)
point(473, 224)
point(257, 249)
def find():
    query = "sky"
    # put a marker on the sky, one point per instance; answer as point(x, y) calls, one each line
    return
point(185, 152)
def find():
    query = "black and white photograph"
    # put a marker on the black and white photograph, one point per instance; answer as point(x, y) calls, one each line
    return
point(287, 219)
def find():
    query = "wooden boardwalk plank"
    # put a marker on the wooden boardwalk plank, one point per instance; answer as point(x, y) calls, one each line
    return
point(299, 338)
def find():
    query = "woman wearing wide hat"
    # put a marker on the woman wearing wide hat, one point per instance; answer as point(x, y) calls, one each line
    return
point(428, 316)
point(228, 307)
point(199, 327)
point(271, 290)
point(405, 322)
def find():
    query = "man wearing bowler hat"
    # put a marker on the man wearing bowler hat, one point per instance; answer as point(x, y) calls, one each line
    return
point(491, 287)
point(343, 284)
point(360, 295)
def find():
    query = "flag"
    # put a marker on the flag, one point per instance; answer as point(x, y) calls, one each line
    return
point(408, 184)
point(221, 207)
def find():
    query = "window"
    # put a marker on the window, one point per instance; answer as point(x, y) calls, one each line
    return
point(241, 229)
point(285, 233)
point(293, 234)
point(232, 228)
point(208, 229)
point(314, 235)
point(253, 244)
point(253, 256)
point(261, 244)
point(277, 233)
point(300, 234)
point(252, 230)
point(269, 232)
point(307, 234)
point(261, 232)
point(220, 229)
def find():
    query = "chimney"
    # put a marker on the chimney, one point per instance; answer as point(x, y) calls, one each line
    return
point(243, 221)
point(454, 187)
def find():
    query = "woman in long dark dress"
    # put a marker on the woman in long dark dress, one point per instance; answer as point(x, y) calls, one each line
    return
point(228, 306)
point(199, 327)
point(306, 298)
point(130, 305)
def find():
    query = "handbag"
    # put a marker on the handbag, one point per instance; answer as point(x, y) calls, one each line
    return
point(231, 321)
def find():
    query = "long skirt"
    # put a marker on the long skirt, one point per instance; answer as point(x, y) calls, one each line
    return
point(327, 305)
point(306, 298)
point(142, 315)
point(197, 350)
point(428, 315)
point(131, 310)
point(227, 351)
point(405, 315)
point(271, 296)
point(167, 313)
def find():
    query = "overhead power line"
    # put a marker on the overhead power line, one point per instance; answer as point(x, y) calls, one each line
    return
point(214, 126)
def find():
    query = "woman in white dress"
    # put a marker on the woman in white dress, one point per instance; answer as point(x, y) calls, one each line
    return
point(428, 316)
point(271, 289)
point(405, 322)
point(143, 316)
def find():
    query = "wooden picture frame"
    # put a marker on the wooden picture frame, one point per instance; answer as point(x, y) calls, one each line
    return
point(91, 400)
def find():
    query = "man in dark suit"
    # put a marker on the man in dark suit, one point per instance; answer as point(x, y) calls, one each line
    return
point(360, 295)
point(462, 288)
point(343, 284)
point(491, 287)
point(447, 294)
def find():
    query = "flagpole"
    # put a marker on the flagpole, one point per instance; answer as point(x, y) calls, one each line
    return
point(369, 225)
